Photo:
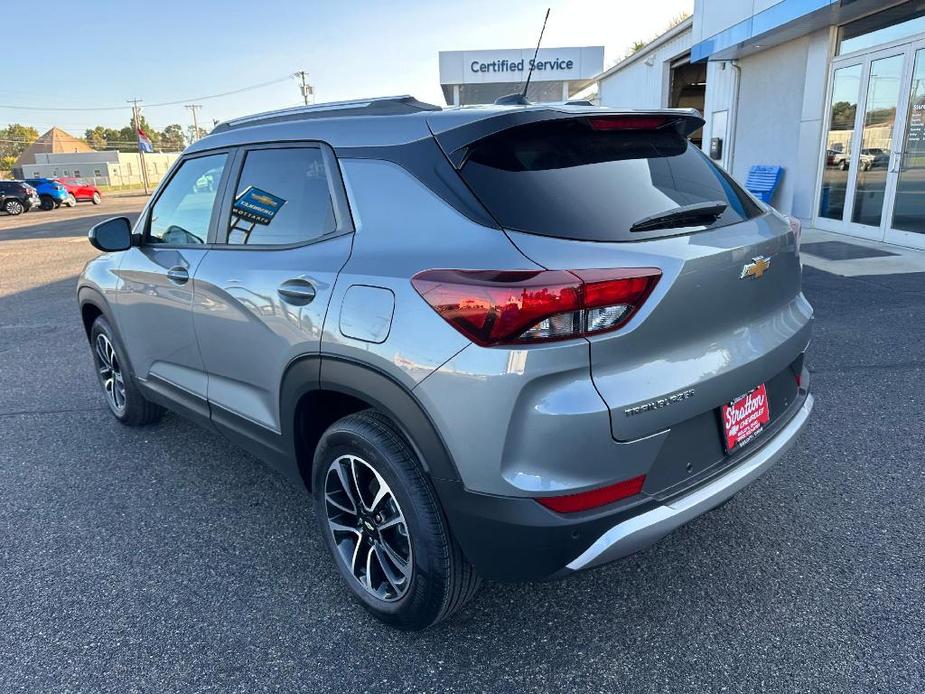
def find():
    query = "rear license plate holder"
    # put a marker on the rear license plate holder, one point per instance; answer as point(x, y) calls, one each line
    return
point(744, 418)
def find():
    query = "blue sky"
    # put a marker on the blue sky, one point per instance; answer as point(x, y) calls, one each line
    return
point(172, 50)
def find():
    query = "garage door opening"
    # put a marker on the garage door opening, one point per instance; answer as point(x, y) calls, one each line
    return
point(688, 88)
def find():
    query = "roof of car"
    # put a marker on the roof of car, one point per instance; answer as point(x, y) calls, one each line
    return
point(376, 122)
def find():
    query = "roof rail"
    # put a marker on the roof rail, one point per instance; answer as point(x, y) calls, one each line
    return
point(376, 106)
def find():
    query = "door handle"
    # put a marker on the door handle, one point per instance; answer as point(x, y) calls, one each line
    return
point(899, 159)
point(178, 275)
point(297, 292)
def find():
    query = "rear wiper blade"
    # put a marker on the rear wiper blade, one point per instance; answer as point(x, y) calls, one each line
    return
point(704, 213)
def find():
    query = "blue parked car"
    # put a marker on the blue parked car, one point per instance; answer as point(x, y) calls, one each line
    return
point(51, 193)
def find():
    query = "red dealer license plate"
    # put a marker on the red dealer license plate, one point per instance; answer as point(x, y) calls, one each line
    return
point(744, 418)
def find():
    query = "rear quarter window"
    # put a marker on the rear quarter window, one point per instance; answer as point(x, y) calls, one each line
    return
point(565, 179)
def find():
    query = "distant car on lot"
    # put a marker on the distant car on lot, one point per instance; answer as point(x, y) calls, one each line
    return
point(876, 156)
point(80, 190)
point(51, 193)
point(841, 160)
point(17, 197)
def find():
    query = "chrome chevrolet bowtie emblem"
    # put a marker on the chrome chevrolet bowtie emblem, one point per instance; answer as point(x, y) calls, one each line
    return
point(756, 268)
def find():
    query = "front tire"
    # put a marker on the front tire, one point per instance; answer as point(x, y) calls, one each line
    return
point(47, 203)
point(96, 198)
point(14, 208)
point(124, 399)
point(383, 525)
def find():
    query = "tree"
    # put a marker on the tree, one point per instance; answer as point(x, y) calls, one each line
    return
point(97, 137)
point(637, 46)
point(193, 135)
point(123, 139)
point(172, 137)
point(15, 138)
point(843, 113)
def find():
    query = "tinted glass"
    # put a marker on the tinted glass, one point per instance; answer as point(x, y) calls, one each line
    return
point(907, 19)
point(182, 212)
point(909, 208)
point(877, 139)
point(568, 180)
point(282, 198)
point(846, 87)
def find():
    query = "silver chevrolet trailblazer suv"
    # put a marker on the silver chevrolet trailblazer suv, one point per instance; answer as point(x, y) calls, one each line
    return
point(510, 342)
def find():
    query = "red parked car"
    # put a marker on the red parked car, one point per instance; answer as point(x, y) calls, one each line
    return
point(80, 190)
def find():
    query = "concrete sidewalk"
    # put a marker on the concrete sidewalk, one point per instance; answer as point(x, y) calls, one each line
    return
point(849, 256)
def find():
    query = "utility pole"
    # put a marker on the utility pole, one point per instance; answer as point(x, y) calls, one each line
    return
point(136, 123)
point(194, 108)
point(306, 88)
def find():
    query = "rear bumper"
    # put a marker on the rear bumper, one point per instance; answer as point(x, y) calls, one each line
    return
point(632, 535)
point(516, 539)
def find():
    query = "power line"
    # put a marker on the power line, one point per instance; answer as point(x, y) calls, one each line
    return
point(216, 96)
point(163, 103)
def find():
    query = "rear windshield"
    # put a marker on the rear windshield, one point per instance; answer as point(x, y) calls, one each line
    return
point(565, 179)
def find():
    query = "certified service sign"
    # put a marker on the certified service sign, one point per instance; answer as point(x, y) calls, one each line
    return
point(257, 205)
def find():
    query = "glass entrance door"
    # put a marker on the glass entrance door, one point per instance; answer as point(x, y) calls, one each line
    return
point(907, 223)
point(873, 166)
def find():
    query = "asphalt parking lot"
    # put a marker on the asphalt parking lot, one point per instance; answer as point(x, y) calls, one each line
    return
point(163, 559)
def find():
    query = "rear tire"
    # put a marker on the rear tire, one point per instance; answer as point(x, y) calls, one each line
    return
point(71, 201)
point(47, 202)
point(14, 208)
point(125, 401)
point(385, 529)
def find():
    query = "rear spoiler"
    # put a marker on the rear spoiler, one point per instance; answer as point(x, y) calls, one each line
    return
point(455, 142)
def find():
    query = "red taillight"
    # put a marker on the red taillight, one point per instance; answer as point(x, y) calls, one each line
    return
point(628, 122)
point(526, 306)
point(584, 501)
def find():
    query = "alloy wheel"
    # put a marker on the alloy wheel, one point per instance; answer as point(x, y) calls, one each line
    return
point(369, 528)
point(110, 372)
point(14, 207)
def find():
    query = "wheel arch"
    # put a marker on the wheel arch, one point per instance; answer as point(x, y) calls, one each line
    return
point(334, 387)
point(92, 306)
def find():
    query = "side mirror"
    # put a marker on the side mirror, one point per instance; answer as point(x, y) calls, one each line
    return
point(112, 235)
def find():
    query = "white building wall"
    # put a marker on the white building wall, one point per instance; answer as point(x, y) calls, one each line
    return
point(718, 111)
point(641, 85)
point(777, 118)
point(813, 121)
point(102, 168)
point(769, 113)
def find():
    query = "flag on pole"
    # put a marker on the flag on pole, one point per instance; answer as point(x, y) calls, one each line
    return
point(144, 142)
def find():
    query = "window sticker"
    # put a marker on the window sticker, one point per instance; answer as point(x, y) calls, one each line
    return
point(252, 207)
point(256, 205)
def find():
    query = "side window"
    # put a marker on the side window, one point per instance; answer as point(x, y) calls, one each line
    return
point(182, 212)
point(282, 198)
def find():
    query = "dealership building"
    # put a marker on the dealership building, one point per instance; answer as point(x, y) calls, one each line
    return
point(480, 77)
point(832, 91)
